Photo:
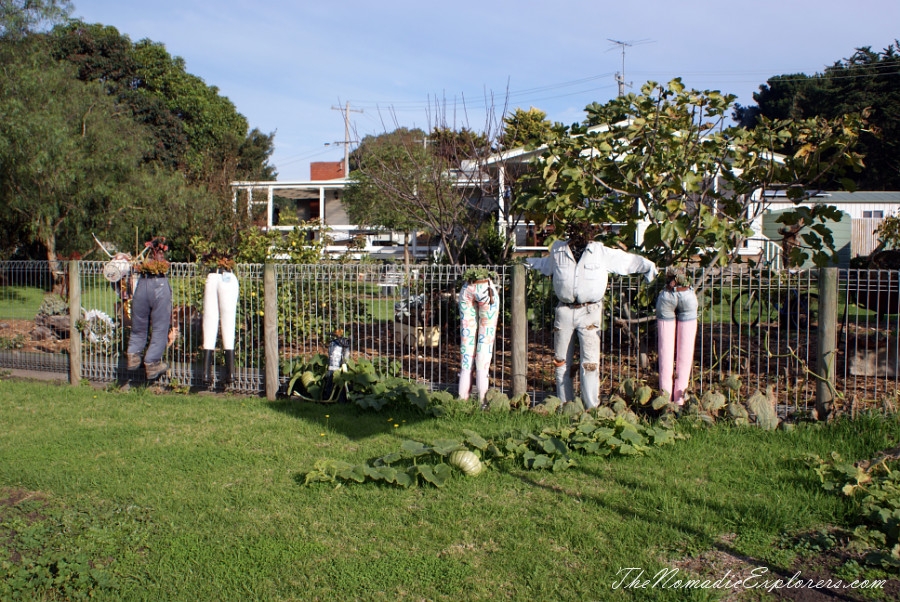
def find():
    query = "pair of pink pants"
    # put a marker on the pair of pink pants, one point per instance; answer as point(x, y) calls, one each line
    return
point(676, 313)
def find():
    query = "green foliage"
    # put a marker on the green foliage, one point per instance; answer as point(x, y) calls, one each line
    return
point(19, 18)
point(398, 158)
point(304, 244)
point(888, 232)
point(406, 468)
point(368, 384)
point(13, 342)
point(651, 157)
point(527, 129)
point(547, 449)
point(55, 552)
point(875, 489)
point(53, 305)
point(818, 242)
point(114, 138)
point(486, 246)
point(864, 82)
point(65, 155)
point(405, 181)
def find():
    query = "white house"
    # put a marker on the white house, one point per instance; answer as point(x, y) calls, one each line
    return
point(282, 205)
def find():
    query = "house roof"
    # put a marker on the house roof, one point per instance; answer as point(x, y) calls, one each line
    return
point(838, 197)
point(300, 189)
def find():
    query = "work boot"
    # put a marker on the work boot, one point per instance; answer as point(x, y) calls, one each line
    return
point(229, 366)
point(154, 370)
point(134, 361)
point(207, 366)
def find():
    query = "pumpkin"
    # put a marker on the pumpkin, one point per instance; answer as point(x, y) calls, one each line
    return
point(307, 378)
point(467, 462)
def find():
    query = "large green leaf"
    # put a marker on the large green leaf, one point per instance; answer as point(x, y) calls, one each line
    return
point(475, 440)
point(414, 448)
point(446, 446)
point(555, 446)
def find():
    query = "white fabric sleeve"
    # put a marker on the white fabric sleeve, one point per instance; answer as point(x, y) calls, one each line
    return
point(542, 264)
point(622, 263)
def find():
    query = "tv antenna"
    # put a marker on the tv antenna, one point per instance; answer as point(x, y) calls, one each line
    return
point(620, 77)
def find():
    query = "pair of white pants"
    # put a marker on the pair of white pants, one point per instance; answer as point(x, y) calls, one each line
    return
point(220, 303)
point(585, 323)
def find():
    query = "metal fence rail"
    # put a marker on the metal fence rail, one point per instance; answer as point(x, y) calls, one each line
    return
point(761, 325)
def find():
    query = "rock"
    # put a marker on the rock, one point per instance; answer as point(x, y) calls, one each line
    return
point(42, 333)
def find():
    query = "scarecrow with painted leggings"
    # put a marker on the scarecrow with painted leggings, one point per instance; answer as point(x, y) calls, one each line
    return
point(151, 311)
point(580, 268)
point(479, 310)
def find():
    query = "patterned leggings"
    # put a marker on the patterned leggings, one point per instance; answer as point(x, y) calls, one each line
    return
point(479, 309)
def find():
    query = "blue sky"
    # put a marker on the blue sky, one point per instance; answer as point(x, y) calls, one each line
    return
point(285, 64)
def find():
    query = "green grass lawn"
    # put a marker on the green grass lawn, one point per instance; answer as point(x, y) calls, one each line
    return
point(139, 496)
point(20, 302)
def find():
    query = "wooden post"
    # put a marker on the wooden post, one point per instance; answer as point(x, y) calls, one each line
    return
point(74, 317)
point(270, 331)
point(518, 331)
point(827, 348)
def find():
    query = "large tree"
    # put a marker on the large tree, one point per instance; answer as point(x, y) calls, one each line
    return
point(666, 166)
point(402, 184)
point(445, 183)
point(528, 129)
point(867, 81)
point(196, 130)
point(67, 149)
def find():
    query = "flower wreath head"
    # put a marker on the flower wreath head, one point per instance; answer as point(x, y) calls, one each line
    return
point(155, 260)
point(218, 259)
point(479, 273)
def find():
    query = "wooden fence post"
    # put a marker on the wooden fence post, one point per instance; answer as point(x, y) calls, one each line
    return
point(74, 317)
point(270, 330)
point(519, 331)
point(827, 348)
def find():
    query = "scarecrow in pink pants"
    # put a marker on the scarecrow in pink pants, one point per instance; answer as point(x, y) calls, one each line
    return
point(479, 310)
point(676, 321)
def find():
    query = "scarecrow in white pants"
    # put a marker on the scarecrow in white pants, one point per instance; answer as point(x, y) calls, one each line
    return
point(580, 267)
point(220, 301)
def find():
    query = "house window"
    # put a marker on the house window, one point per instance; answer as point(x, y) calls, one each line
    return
point(877, 214)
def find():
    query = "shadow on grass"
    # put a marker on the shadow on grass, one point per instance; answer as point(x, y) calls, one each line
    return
point(348, 419)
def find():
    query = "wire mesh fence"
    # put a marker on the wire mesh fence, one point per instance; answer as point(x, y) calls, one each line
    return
point(408, 318)
point(761, 325)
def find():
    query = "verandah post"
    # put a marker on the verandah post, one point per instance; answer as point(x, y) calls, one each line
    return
point(827, 347)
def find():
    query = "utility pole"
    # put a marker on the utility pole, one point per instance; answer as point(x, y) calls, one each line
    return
point(346, 110)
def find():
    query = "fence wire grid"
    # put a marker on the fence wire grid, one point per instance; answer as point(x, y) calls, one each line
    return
point(761, 325)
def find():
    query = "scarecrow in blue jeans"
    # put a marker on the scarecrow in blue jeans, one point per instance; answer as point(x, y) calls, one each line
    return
point(151, 311)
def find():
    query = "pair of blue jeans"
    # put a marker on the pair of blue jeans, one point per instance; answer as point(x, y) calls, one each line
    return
point(151, 316)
